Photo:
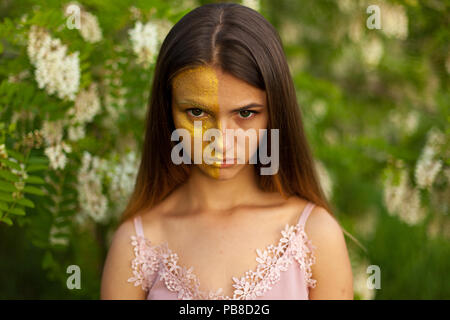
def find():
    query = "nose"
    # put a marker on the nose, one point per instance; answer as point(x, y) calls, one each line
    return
point(226, 139)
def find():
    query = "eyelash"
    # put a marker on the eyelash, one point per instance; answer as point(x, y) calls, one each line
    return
point(245, 118)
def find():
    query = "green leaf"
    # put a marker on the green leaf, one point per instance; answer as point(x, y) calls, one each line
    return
point(37, 160)
point(47, 261)
point(8, 176)
point(7, 186)
point(33, 190)
point(6, 197)
point(17, 211)
point(26, 202)
point(34, 180)
point(3, 206)
point(36, 167)
point(16, 155)
point(12, 127)
point(11, 164)
point(7, 220)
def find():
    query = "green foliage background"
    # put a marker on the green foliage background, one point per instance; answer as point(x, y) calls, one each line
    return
point(355, 99)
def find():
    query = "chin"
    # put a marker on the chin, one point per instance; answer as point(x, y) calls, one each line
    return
point(223, 174)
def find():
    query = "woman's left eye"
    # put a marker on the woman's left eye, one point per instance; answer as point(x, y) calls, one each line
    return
point(195, 112)
point(246, 114)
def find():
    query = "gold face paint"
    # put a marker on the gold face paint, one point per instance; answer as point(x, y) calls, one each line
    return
point(199, 84)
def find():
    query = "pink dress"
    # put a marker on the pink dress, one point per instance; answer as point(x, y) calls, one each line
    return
point(283, 271)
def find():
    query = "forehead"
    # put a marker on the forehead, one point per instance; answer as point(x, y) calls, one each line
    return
point(213, 87)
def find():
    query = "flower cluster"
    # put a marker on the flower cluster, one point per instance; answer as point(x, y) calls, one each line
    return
point(144, 42)
point(88, 24)
point(428, 166)
point(406, 122)
point(401, 198)
point(59, 235)
point(394, 21)
point(57, 155)
point(52, 133)
point(122, 177)
point(254, 4)
point(86, 107)
point(372, 52)
point(56, 71)
point(89, 27)
point(90, 192)
point(114, 92)
point(146, 38)
point(360, 281)
point(324, 177)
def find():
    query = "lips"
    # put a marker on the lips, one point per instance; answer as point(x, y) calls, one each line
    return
point(230, 161)
point(222, 162)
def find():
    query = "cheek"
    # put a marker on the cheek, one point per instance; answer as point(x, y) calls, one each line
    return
point(249, 145)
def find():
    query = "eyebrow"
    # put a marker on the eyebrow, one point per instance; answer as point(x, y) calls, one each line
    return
point(197, 104)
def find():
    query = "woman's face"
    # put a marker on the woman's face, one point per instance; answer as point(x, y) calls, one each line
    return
point(220, 101)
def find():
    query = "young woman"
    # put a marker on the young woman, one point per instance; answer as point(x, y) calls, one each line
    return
point(224, 229)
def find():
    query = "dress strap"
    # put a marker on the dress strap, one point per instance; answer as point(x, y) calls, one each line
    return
point(138, 226)
point(305, 214)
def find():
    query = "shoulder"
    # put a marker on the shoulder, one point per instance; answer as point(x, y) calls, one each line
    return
point(117, 268)
point(322, 227)
point(332, 268)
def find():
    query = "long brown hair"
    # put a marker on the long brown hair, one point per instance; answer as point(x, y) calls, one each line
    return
point(243, 43)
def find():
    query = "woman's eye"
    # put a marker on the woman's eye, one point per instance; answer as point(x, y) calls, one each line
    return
point(246, 114)
point(195, 112)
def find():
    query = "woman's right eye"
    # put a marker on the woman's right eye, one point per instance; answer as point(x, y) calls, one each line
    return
point(195, 112)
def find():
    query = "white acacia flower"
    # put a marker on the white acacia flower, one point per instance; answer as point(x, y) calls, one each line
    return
point(57, 155)
point(372, 51)
point(122, 176)
point(254, 4)
point(76, 132)
point(428, 165)
point(402, 199)
point(406, 122)
point(319, 108)
point(92, 201)
point(59, 235)
point(325, 178)
point(3, 152)
point(89, 27)
point(144, 40)
point(86, 107)
point(52, 131)
point(394, 21)
point(427, 168)
point(360, 283)
point(56, 70)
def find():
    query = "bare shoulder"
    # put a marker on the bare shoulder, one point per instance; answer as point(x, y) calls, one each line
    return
point(117, 268)
point(322, 226)
point(332, 268)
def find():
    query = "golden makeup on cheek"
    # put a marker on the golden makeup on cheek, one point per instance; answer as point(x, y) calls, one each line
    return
point(199, 84)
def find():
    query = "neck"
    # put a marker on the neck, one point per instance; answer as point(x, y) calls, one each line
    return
point(206, 194)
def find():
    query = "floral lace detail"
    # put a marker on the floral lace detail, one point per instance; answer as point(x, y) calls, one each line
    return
point(293, 245)
point(145, 263)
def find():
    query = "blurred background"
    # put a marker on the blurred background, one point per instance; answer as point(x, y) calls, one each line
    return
point(372, 80)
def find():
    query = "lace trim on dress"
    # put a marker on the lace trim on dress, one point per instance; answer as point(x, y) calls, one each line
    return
point(293, 245)
point(145, 263)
